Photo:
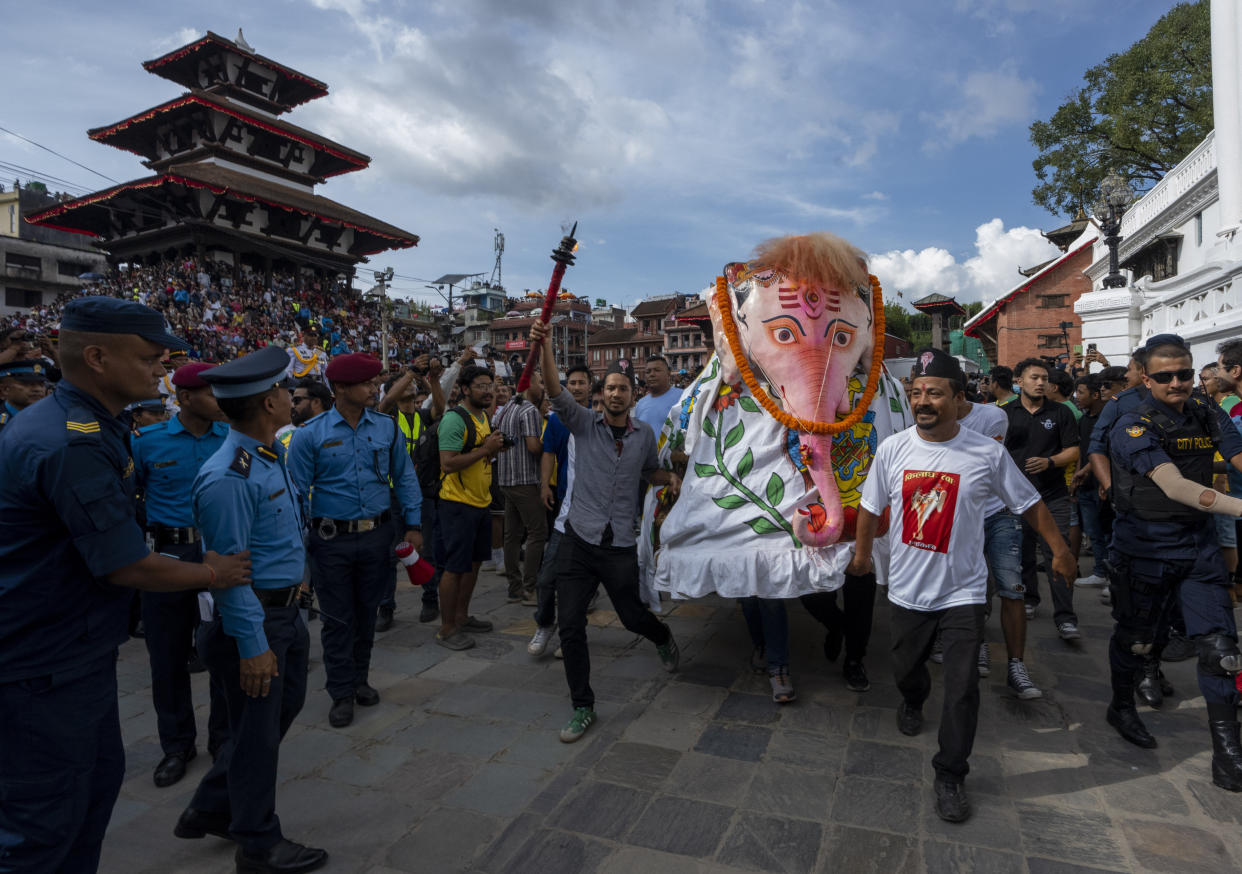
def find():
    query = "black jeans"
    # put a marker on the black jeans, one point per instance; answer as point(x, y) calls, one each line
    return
point(961, 631)
point(854, 621)
point(351, 573)
point(242, 782)
point(582, 568)
point(1032, 543)
point(169, 619)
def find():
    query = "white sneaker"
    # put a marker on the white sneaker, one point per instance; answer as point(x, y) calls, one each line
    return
point(1106, 595)
point(539, 643)
point(1091, 582)
point(1020, 682)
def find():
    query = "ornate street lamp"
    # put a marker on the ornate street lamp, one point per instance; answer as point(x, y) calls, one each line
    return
point(1115, 197)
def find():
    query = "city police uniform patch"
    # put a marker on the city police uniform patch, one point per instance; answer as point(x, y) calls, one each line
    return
point(241, 462)
point(264, 452)
point(1136, 430)
point(82, 427)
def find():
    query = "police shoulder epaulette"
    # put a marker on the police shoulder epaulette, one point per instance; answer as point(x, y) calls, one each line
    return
point(151, 429)
point(264, 452)
point(314, 418)
point(378, 413)
point(81, 421)
point(4, 417)
point(241, 462)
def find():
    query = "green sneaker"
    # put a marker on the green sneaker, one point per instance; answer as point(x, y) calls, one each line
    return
point(670, 654)
point(581, 721)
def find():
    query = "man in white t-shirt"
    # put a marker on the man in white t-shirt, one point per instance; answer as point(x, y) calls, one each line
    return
point(940, 479)
point(1002, 547)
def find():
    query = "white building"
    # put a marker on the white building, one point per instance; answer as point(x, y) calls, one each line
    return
point(1181, 246)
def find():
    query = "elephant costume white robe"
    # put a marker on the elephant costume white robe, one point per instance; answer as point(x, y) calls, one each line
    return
point(732, 531)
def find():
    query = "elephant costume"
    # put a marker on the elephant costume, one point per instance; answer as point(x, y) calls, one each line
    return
point(766, 509)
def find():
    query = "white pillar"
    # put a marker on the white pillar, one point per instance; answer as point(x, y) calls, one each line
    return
point(1227, 113)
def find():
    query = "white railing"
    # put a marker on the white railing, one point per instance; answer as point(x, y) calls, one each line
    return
point(1198, 164)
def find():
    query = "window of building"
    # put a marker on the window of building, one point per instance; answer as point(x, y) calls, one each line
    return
point(595, 355)
point(1053, 301)
point(1051, 341)
point(28, 266)
point(22, 297)
point(1198, 228)
point(608, 355)
point(13, 218)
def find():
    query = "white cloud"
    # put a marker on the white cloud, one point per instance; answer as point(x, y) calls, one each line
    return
point(988, 100)
point(1000, 16)
point(183, 36)
point(987, 274)
point(875, 195)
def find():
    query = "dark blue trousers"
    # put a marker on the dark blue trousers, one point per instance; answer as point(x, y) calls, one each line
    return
point(1145, 590)
point(170, 619)
point(242, 782)
point(351, 573)
point(61, 767)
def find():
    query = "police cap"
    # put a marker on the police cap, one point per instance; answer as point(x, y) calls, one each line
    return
point(154, 405)
point(25, 371)
point(111, 315)
point(249, 375)
point(189, 375)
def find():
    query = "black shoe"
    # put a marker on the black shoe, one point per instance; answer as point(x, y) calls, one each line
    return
point(383, 619)
point(1148, 687)
point(172, 767)
point(909, 719)
point(195, 665)
point(1178, 649)
point(855, 676)
point(1129, 726)
point(952, 805)
point(1226, 755)
point(284, 858)
point(194, 824)
point(342, 712)
point(366, 696)
point(832, 644)
point(429, 613)
point(1166, 688)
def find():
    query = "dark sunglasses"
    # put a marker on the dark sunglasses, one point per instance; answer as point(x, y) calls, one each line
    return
point(1164, 377)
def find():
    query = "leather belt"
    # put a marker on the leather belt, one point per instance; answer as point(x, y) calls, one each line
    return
point(329, 528)
point(162, 534)
point(278, 597)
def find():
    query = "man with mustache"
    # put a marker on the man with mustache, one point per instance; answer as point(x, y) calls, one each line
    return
point(937, 579)
point(1163, 547)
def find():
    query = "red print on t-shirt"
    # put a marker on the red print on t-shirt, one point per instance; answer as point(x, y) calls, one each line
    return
point(928, 499)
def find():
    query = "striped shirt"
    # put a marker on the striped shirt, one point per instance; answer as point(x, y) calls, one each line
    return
point(518, 466)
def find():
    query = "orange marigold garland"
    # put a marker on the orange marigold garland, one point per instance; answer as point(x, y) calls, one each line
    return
point(725, 305)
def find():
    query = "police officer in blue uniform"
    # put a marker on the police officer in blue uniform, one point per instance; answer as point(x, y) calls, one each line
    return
point(70, 548)
point(167, 457)
point(256, 645)
point(24, 383)
point(349, 459)
point(1164, 546)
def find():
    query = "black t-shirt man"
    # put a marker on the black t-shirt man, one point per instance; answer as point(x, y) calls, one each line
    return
point(1043, 433)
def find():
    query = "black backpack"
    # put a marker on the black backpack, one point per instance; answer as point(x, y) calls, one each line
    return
point(427, 451)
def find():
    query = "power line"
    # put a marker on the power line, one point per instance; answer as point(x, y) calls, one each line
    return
point(58, 154)
point(39, 175)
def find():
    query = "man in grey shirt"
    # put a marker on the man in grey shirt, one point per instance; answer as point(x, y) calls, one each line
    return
point(612, 453)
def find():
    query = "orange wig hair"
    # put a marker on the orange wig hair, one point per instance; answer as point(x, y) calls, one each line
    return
point(820, 258)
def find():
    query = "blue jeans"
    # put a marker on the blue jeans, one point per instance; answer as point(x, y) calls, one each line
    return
point(545, 583)
point(1093, 528)
point(768, 624)
point(1002, 549)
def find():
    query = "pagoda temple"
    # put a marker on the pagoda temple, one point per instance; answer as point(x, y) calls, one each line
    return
point(232, 180)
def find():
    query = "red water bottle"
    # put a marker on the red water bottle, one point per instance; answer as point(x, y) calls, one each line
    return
point(417, 568)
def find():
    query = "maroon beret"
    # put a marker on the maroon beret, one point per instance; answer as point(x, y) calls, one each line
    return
point(187, 375)
point(352, 368)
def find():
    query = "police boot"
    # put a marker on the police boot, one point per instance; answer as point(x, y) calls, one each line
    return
point(1130, 727)
point(1226, 755)
point(1149, 688)
point(1218, 655)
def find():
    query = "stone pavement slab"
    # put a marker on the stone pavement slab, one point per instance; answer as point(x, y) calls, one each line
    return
point(459, 768)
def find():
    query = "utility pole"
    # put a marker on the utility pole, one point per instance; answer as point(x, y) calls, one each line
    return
point(382, 278)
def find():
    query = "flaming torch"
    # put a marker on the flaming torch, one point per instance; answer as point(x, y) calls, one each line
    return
point(563, 255)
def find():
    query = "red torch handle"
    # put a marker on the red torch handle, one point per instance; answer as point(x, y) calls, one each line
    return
point(545, 316)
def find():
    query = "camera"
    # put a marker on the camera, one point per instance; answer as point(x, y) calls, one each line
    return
point(506, 441)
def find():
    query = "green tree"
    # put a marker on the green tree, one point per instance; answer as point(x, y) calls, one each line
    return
point(1139, 113)
point(35, 185)
point(896, 321)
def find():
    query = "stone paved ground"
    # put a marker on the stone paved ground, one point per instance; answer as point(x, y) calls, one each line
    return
point(460, 768)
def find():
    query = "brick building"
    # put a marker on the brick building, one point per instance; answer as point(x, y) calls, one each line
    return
point(571, 324)
point(630, 343)
point(687, 339)
point(1026, 321)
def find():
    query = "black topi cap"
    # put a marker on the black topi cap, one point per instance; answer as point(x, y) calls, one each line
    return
point(937, 363)
point(111, 315)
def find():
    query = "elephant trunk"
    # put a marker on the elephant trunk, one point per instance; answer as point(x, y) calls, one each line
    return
point(821, 524)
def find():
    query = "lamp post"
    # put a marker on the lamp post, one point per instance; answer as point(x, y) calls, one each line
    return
point(1115, 197)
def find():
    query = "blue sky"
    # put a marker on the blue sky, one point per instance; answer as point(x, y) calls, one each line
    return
point(679, 133)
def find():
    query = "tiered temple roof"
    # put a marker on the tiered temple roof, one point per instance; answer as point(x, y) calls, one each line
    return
point(230, 177)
